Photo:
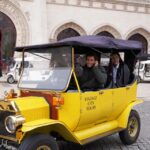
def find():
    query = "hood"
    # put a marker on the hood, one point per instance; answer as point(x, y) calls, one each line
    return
point(32, 108)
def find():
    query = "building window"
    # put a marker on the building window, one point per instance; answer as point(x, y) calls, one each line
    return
point(69, 32)
point(142, 39)
point(105, 33)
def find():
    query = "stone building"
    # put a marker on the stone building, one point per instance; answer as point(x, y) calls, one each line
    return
point(27, 22)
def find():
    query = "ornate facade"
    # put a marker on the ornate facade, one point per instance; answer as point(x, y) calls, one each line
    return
point(43, 21)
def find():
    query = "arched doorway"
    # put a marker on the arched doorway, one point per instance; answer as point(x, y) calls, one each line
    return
point(107, 30)
point(142, 39)
point(65, 30)
point(7, 41)
point(105, 33)
point(66, 33)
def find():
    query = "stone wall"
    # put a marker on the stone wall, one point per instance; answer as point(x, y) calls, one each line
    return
point(40, 21)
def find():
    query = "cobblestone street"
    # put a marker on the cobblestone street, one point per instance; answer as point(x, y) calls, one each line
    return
point(113, 142)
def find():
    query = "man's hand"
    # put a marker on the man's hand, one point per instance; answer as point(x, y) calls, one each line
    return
point(96, 64)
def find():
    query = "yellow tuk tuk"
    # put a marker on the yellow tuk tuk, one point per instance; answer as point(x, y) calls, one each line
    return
point(48, 109)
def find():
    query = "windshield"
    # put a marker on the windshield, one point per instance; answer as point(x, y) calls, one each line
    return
point(50, 69)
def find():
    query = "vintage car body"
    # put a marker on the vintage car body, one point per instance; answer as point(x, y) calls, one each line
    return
point(73, 115)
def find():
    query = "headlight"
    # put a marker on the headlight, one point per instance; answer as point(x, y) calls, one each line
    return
point(12, 122)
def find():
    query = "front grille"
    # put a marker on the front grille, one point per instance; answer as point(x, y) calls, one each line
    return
point(3, 131)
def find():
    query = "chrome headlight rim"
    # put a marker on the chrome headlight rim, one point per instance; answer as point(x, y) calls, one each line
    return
point(12, 122)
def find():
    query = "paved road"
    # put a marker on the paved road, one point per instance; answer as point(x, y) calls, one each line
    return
point(113, 142)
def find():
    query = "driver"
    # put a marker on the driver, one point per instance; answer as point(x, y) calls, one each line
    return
point(93, 76)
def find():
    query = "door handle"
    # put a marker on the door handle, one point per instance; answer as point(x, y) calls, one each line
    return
point(101, 92)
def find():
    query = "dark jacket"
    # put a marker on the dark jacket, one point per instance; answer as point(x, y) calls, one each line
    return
point(123, 76)
point(92, 78)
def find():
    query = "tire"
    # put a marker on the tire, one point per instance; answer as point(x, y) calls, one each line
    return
point(62, 145)
point(39, 142)
point(10, 79)
point(131, 133)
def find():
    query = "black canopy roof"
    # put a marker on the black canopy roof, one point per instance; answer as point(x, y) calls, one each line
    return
point(101, 43)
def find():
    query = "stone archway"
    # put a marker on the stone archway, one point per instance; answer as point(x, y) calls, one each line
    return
point(141, 35)
point(7, 40)
point(142, 39)
point(9, 8)
point(66, 33)
point(71, 26)
point(107, 30)
point(15, 17)
point(105, 33)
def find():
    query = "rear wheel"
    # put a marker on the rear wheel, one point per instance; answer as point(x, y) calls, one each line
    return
point(10, 79)
point(131, 133)
point(39, 142)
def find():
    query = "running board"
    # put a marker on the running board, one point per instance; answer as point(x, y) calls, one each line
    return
point(97, 132)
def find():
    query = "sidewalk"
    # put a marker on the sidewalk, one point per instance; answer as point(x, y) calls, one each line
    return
point(3, 79)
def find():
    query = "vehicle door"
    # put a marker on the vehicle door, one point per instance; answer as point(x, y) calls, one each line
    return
point(105, 104)
point(119, 101)
point(89, 108)
point(95, 107)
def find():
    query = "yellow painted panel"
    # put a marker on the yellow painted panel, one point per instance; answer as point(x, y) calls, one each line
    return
point(96, 130)
point(33, 108)
point(28, 126)
point(123, 118)
point(69, 113)
point(132, 92)
point(105, 104)
point(90, 109)
point(97, 106)
point(121, 98)
point(119, 102)
point(46, 126)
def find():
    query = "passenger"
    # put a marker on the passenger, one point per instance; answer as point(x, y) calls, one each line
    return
point(118, 72)
point(93, 76)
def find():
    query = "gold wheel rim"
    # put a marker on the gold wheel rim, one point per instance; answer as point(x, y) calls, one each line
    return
point(133, 127)
point(43, 147)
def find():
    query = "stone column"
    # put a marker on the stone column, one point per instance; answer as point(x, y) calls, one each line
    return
point(39, 22)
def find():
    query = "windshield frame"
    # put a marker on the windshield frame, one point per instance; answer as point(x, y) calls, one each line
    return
point(46, 90)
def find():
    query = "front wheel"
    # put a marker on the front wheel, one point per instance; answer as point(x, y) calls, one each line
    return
point(39, 142)
point(10, 79)
point(131, 133)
